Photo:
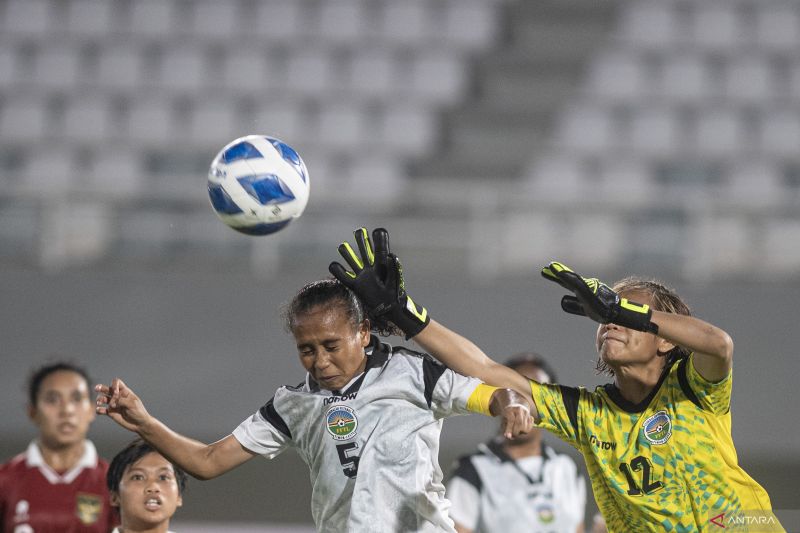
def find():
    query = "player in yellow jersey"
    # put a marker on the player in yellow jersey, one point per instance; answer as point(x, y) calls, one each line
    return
point(657, 441)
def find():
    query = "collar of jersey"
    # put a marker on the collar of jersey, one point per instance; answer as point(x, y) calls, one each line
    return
point(34, 459)
point(628, 406)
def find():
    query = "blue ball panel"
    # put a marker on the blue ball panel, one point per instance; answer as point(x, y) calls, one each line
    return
point(221, 202)
point(243, 150)
point(289, 154)
point(266, 188)
point(263, 229)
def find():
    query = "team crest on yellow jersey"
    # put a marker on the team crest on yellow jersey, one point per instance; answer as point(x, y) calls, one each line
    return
point(89, 507)
point(341, 422)
point(658, 428)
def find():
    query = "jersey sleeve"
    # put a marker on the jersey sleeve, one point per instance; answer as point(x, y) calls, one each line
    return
point(264, 433)
point(451, 392)
point(463, 491)
point(709, 396)
point(559, 409)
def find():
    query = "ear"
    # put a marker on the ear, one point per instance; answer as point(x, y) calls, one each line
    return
point(663, 346)
point(114, 498)
point(32, 412)
point(179, 501)
point(364, 332)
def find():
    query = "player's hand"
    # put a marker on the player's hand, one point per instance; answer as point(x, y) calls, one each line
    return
point(598, 301)
point(517, 420)
point(121, 404)
point(377, 279)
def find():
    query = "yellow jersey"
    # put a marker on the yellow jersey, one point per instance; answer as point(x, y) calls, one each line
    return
point(666, 464)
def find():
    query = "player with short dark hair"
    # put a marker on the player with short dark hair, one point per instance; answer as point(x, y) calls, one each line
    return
point(146, 488)
point(657, 441)
point(520, 484)
point(58, 483)
point(366, 420)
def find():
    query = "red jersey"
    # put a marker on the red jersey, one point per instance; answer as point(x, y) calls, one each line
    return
point(34, 498)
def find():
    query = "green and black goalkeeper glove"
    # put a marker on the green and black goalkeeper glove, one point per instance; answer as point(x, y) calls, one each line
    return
point(377, 279)
point(598, 301)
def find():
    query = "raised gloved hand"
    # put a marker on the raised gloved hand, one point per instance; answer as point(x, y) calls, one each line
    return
point(598, 301)
point(377, 279)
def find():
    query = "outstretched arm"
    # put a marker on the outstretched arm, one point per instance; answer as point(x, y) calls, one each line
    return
point(203, 461)
point(712, 347)
point(463, 356)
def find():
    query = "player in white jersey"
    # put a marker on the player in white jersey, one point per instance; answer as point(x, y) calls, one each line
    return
point(366, 420)
point(520, 485)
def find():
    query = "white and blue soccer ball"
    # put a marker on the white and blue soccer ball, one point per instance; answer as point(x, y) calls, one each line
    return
point(258, 184)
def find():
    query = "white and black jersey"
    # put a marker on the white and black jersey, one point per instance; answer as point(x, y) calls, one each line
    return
point(372, 448)
point(491, 492)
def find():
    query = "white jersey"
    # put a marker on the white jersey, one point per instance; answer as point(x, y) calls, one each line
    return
point(372, 448)
point(491, 492)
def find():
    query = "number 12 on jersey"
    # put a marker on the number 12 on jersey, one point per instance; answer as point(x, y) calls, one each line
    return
point(640, 463)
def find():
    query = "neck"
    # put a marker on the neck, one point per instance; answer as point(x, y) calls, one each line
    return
point(636, 383)
point(527, 448)
point(62, 458)
point(161, 527)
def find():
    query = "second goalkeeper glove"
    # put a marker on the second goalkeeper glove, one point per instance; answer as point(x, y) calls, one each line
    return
point(598, 301)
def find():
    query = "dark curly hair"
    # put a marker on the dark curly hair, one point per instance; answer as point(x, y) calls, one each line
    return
point(664, 299)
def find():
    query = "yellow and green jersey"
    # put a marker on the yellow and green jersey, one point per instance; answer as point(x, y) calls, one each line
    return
point(666, 464)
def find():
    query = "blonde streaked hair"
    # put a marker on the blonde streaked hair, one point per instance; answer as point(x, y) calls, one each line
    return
point(664, 299)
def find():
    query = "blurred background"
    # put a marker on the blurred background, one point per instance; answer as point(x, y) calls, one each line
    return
point(654, 137)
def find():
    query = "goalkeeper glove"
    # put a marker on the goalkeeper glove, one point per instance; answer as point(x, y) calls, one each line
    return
point(598, 301)
point(377, 279)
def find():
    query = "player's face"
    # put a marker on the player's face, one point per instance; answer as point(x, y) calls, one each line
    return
point(330, 348)
point(619, 346)
point(148, 493)
point(63, 409)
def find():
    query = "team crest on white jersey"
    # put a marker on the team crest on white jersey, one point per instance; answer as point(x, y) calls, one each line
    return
point(341, 422)
point(658, 428)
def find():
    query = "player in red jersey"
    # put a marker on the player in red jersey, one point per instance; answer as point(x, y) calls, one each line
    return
point(58, 484)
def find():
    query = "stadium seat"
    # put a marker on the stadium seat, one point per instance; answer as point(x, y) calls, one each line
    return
point(48, 172)
point(557, 178)
point(88, 118)
point(406, 129)
point(655, 131)
point(469, 24)
point(343, 22)
point(286, 118)
point(152, 19)
point(24, 118)
point(342, 125)
point(444, 67)
point(374, 72)
point(213, 20)
point(651, 24)
point(781, 253)
point(120, 67)
point(407, 23)
point(780, 132)
point(90, 18)
point(618, 75)
point(212, 123)
point(28, 18)
point(151, 121)
point(686, 78)
point(57, 66)
point(278, 21)
point(626, 181)
point(777, 26)
point(754, 184)
point(182, 69)
point(720, 132)
point(749, 80)
point(716, 25)
point(586, 128)
point(115, 173)
point(311, 71)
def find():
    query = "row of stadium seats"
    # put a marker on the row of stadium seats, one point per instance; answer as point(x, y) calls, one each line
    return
point(457, 24)
point(403, 128)
point(712, 25)
point(314, 71)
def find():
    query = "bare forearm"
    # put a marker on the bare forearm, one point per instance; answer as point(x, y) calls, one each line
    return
point(712, 346)
point(193, 456)
point(463, 356)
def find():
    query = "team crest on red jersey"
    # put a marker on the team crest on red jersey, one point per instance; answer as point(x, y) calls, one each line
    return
point(89, 507)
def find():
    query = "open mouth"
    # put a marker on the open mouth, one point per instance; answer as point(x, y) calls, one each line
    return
point(152, 504)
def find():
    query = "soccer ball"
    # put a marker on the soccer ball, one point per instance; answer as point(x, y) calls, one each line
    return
point(258, 184)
